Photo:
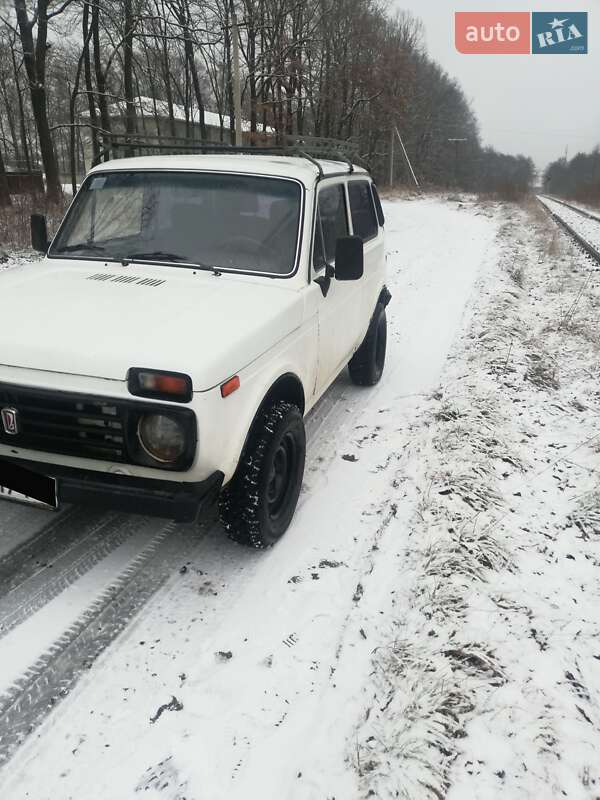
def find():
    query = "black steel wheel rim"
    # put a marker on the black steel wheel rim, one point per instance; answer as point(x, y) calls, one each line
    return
point(282, 475)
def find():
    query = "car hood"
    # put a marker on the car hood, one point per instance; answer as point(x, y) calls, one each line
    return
point(82, 319)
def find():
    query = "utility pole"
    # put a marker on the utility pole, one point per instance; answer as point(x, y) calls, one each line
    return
point(412, 172)
point(237, 93)
point(392, 158)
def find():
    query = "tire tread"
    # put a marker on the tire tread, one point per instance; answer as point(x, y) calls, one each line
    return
point(239, 502)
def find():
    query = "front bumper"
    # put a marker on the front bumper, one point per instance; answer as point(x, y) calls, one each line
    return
point(176, 500)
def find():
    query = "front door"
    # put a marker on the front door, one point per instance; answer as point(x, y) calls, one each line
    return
point(340, 311)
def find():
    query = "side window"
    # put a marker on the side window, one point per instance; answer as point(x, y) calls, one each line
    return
point(378, 208)
point(318, 254)
point(362, 209)
point(332, 222)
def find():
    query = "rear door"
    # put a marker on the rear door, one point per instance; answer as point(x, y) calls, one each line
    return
point(340, 310)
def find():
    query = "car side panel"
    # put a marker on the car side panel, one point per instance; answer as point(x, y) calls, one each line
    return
point(225, 422)
point(374, 279)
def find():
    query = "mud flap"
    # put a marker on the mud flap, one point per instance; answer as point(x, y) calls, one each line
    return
point(384, 296)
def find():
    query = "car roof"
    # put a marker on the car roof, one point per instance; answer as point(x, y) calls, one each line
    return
point(302, 169)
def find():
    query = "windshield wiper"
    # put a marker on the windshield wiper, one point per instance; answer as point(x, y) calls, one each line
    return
point(160, 255)
point(155, 254)
point(70, 248)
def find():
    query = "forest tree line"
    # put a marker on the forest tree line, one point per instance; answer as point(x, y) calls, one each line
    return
point(345, 69)
point(578, 179)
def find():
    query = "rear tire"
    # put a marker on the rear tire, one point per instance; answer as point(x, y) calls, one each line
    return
point(366, 365)
point(257, 505)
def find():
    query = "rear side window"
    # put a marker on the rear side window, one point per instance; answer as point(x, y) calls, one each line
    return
point(362, 209)
point(332, 223)
point(378, 208)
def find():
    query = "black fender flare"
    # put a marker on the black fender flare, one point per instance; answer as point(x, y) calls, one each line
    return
point(287, 387)
point(384, 297)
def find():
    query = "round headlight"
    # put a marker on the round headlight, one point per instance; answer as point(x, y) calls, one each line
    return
point(163, 438)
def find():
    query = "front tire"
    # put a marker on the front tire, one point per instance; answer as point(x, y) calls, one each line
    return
point(366, 365)
point(257, 505)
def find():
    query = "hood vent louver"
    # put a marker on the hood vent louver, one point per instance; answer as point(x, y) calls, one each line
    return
point(150, 282)
point(108, 277)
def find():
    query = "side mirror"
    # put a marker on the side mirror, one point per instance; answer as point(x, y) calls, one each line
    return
point(349, 258)
point(39, 233)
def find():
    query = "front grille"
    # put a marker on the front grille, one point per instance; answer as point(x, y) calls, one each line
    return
point(73, 425)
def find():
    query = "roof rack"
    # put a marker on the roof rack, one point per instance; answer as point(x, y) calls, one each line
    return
point(310, 148)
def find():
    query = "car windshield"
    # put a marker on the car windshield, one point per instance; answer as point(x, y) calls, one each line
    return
point(213, 220)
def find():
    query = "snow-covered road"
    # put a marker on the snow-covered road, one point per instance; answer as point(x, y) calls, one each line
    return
point(243, 675)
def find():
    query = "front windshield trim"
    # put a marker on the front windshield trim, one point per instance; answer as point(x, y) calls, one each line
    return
point(54, 254)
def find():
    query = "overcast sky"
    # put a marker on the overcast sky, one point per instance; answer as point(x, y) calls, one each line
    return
point(532, 104)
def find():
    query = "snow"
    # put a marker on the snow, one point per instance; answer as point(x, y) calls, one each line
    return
point(428, 625)
point(18, 524)
point(18, 259)
point(20, 647)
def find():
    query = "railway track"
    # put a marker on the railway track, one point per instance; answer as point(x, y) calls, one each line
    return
point(586, 233)
point(578, 209)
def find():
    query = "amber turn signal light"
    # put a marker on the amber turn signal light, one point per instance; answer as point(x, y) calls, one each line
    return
point(173, 386)
point(230, 386)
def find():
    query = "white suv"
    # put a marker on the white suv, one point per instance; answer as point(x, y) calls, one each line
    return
point(189, 312)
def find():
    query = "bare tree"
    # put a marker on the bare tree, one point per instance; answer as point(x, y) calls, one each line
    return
point(34, 58)
point(101, 74)
point(129, 30)
point(4, 193)
point(21, 106)
point(345, 69)
point(181, 11)
point(87, 32)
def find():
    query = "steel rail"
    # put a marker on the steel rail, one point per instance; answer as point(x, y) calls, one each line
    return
point(588, 248)
point(578, 209)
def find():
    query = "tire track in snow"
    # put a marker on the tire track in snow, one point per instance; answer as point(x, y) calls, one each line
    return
point(54, 674)
point(42, 546)
point(20, 524)
point(53, 542)
point(88, 549)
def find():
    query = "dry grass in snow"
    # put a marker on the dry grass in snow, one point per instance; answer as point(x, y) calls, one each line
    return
point(489, 685)
point(15, 225)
